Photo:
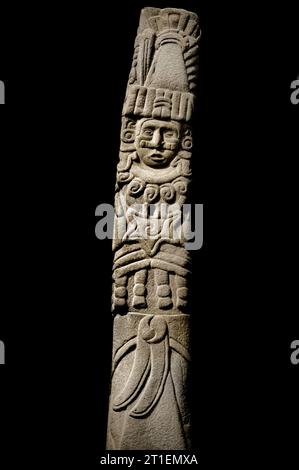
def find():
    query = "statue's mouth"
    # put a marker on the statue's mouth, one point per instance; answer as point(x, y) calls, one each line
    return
point(157, 157)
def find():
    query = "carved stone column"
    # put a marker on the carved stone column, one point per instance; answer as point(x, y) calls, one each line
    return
point(149, 406)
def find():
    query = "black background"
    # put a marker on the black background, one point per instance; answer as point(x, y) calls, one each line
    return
point(65, 71)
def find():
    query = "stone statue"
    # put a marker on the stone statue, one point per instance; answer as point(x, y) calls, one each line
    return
point(149, 406)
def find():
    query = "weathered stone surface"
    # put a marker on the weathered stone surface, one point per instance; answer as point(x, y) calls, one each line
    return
point(149, 391)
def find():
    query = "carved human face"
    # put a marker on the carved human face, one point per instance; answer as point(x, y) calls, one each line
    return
point(157, 142)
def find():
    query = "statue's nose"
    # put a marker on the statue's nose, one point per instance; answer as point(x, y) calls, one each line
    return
point(157, 138)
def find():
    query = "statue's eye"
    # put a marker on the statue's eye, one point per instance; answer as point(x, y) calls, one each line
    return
point(148, 132)
point(169, 134)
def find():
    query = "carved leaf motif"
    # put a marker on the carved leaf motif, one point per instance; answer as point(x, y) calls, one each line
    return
point(151, 357)
point(150, 367)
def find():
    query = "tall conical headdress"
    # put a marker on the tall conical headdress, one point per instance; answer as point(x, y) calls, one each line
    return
point(164, 68)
